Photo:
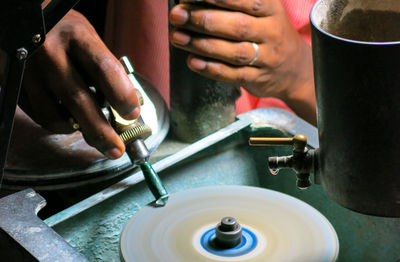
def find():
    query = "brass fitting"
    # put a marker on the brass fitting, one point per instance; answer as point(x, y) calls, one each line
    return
point(131, 132)
point(141, 131)
point(299, 142)
point(128, 130)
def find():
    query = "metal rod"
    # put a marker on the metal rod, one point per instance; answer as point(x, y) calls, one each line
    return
point(8, 102)
point(299, 142)
point(267, 141)
point(155, 184)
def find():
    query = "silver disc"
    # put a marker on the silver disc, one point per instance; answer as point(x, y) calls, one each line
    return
point(284, 228)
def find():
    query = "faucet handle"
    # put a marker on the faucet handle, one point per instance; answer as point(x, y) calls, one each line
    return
point(299, 142)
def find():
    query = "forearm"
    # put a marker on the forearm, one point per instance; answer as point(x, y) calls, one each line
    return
point(301, 95)
point(304, 104)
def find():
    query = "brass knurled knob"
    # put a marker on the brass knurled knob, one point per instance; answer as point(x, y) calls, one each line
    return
point(141, 131)
point(129, 130)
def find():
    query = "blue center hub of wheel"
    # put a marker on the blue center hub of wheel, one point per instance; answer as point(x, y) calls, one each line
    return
point(248, 243)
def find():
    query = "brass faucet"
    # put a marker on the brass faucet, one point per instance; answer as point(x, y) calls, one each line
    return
point(302, 160)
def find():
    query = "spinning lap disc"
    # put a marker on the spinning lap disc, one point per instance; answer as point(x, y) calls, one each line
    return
point(274, 227)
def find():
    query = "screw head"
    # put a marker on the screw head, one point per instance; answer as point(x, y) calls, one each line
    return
point(37, 38)
point(22, 53)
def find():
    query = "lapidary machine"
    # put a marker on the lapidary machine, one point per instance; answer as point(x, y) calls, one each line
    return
point(266, 187)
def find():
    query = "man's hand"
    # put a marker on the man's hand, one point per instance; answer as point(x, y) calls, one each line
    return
point(220, 36)
point(59, 74)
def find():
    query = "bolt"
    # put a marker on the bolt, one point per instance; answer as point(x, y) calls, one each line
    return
point(228, 224)
point(22, 53)
point(228, 233)
point(36, 38)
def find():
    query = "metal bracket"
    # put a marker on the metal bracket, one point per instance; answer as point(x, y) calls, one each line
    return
point(23, 26)
point(25, 237)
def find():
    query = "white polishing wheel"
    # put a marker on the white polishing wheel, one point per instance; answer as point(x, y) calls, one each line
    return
point(275, 227)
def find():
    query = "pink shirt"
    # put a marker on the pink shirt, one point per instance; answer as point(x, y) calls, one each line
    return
point(144, 39)
point(299, 14)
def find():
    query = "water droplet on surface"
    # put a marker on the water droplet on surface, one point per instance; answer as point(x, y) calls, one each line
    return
point(274, 171)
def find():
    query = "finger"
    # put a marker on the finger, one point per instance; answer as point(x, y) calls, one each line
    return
point(108, 74)
point(94, 126)
point(234, 53)
point(40, 104)
point(47, 113)
point(252, 7)
point(72, 91)
point(219, 23)
point(242, 75)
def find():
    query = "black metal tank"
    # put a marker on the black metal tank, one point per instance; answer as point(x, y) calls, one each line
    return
point(356, 51)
